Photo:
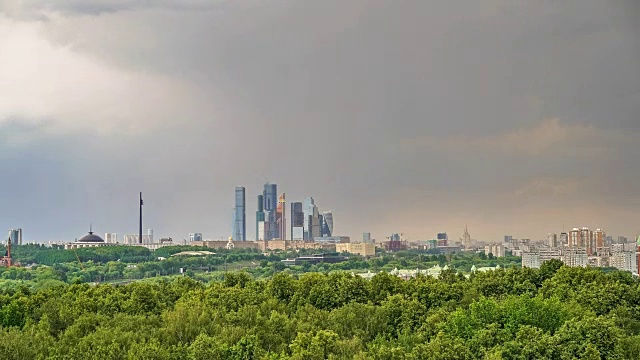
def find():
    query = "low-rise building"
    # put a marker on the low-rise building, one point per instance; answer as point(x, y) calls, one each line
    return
point(332, 239)
point(362, 249)
point(315, 259)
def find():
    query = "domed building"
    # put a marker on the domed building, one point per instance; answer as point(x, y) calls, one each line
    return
point(89, 240)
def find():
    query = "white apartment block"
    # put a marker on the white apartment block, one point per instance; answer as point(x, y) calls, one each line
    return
point(547, 254)
point(111, 238)
point(131, 239)
point(496, 250)
point(622, 259)
point(531, 260)
point(575, 257)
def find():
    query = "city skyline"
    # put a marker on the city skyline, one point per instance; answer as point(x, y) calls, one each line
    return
point(481, 113)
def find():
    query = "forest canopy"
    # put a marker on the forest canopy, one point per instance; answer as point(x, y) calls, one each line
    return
point(555, 312)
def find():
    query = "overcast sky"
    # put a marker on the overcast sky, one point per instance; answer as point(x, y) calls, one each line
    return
point(514, 117)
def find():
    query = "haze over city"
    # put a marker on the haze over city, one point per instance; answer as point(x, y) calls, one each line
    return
point(417, 116)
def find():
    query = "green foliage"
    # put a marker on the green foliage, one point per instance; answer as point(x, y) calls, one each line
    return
point(552, 313)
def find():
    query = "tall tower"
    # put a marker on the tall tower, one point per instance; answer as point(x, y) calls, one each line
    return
point(297, 221)
point(140, 224)
point(14, 235)
point(311, 219)
point(260, 217)
point(270, 196)
point(552, 240)
point(466, 238)
point(239, 215)
point(281, 217)
point(327, 223)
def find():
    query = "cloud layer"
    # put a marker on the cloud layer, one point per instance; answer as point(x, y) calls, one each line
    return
point(411, 116)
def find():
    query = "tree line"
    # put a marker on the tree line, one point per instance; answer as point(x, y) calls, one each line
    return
point(554, 312)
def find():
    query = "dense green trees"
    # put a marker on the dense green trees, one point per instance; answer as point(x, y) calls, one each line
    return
point(552, 313)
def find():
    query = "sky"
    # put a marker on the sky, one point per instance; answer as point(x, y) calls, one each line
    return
point(517, 117)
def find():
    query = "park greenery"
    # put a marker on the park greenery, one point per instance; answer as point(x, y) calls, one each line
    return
point(45, 267)
point(555, 312)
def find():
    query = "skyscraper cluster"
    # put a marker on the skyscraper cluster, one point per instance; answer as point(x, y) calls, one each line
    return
point(306, 222)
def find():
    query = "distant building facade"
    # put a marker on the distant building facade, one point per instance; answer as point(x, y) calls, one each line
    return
point(281, 217)
point(297, 221)
point(362, 249)
point(240, 217)
point(195, 237)
point(327, 223)
point(311, 219)
point(466, 238)
point(443, 239)
point(260, 218)
point(16, 236)
point(270, 197)
point(111, 238)
point(496, 250)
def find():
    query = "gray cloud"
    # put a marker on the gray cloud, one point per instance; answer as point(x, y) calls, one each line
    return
point(406, 116)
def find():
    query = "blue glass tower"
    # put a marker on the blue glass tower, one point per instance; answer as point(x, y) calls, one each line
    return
point(239, 216)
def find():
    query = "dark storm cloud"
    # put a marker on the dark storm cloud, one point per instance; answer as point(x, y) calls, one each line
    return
point(380, 109)
point(40, 9)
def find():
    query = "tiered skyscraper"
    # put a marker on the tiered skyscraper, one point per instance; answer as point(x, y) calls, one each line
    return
point(466, 238)
point(239, 216)
point(306, 222)
point(311, 219)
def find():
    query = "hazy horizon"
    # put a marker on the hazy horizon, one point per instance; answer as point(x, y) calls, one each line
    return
point(513, 118)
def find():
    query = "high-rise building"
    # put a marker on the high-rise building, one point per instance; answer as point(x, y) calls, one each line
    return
point(195, 237)
point(366, 237)
point(574, 238)
point(608, 240)
point(575, 257)
point(16, 236)
point(281, 217)
point(270, 198)
point(552, 240)
point(327, 223)
point(111, 238)
point(260, 217)
point(586, 240)
point(240, 217)
point(563, 240)
point(598, 240)
point(297, 221)
point(508, 239)
point(311, 219)
point(443, 239)
point(466, 238)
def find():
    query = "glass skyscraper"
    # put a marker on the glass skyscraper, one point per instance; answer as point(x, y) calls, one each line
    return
point(311, 219)
point(270, 197)
point(297, 221)
point(239, 216)
point(260, 217)
point(327, 223)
